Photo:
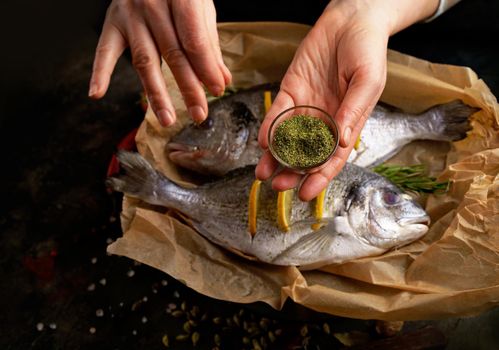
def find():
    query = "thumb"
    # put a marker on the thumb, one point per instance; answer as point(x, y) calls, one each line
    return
point(360, 98)
point(282, 101)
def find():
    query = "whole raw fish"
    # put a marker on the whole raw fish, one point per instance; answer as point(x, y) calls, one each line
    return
point(363, 214)
point(227, 139)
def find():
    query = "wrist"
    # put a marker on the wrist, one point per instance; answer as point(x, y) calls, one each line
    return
point(407, 12)
point(389, 15)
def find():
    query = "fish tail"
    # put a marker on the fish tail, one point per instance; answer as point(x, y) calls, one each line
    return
point(450, 121)
point(140, 180)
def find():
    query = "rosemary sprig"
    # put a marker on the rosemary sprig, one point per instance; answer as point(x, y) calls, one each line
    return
point(412, 178)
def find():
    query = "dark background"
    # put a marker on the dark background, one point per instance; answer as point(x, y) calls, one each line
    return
point(56, 216)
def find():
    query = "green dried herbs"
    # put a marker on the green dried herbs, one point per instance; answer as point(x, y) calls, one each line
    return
point(303, 141)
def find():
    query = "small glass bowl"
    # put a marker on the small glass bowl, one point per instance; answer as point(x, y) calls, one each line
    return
point(310, 111)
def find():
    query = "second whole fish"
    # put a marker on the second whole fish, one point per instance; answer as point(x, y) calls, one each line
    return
point(227, 139)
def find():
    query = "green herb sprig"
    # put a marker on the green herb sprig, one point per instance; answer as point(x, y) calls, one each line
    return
point(412, 178)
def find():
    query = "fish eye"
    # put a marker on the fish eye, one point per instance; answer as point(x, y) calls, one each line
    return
point(391, 197)
point(206, 124)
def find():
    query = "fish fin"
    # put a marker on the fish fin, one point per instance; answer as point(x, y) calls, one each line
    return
point(139, 179)
point(308, 247)
point(305, 248)
point(450, 121)
point(387, 108)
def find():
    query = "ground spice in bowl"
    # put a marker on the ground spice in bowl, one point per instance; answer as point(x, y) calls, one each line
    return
point(303, 141)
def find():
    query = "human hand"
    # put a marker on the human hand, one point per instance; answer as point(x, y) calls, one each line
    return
point(340, 67)
point(183, 32)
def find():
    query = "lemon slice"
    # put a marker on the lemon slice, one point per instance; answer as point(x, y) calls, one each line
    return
point(253, 206)
point(319, 209)
point(267, 100)
point(284, 204)
point(357, 143)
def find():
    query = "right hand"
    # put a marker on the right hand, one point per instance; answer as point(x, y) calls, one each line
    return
point(183, 32)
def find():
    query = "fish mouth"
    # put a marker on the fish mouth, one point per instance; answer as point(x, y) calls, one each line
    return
point(415, 220)
point(174, 146)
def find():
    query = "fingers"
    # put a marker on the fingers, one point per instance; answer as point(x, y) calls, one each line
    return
point(363, 92)
point(190, 23)
point(110, 47)
point(211, 24)
point(161, 26)
point(266, 166)
point(314, 183)
point(145, 59)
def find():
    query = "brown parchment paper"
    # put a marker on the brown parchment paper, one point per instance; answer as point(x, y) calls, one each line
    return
point(453, 270)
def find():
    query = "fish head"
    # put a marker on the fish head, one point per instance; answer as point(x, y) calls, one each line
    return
point(213, 145)
point(390, 217)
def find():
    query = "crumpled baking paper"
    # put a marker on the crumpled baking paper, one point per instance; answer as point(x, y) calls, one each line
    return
point(452, 271)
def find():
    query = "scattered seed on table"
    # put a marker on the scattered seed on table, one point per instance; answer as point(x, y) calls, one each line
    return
point(217, 340)
point(154, 291)
point(165, 340)
point(109, 241)
point(278, 332)
point(112, 219)
point(217, 320)
point(246, 340)
point(52, 326)
point(92, 330)
point(40, 326)
point(121, 304)
point(130, 273)
point(326, 328)
point(256, 344)
point(144, 319)
point(99, 313)
point(177, 313)
point(187, 327)
point(144, 299)
point(195, 338)
point(176, 294)
point(235, 318)
point(304, 331)
point(136, 263)
point(183, 306)
point(93, 260)
point(103, 281)
point(164, 283)
point(264, 323)
point(182, 337)
point(204, 317)
point(134, 332)
point(91, 287)
point(271, 336)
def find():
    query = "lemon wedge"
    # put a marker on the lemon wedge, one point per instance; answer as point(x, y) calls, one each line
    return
point(319, 209)
point(357, 143)
point(253, 206)
point(267, 100)
point(284, 204)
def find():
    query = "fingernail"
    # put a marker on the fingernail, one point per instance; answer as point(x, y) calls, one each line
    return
point(218, 90)
point(346, 136)
point(197, 113)
point(93, 89)
point(165, 117)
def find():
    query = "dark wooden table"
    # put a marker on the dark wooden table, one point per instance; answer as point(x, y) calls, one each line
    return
point(59, 288)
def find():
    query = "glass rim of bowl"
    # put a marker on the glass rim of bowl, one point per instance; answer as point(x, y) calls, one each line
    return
point(333, 126)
